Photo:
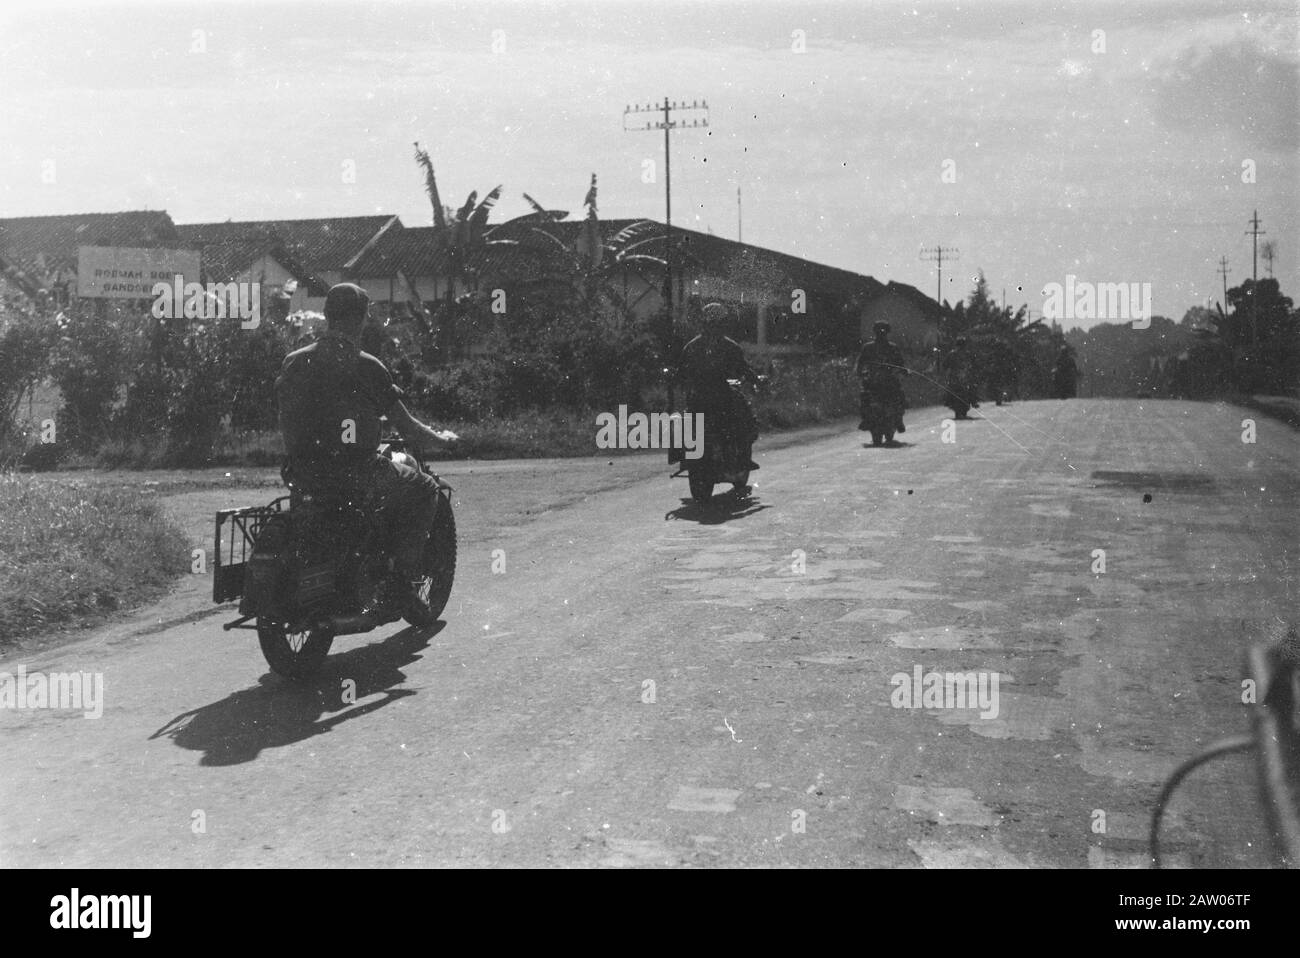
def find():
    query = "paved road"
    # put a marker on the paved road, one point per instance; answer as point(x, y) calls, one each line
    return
point(647, 685)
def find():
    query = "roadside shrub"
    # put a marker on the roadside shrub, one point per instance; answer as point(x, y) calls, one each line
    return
point(44, 456)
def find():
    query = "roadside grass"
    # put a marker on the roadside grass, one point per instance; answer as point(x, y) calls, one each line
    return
point(69, 554)
point(1283, 408)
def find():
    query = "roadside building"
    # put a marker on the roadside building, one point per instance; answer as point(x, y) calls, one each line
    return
point(299, 259)
point(40, 252)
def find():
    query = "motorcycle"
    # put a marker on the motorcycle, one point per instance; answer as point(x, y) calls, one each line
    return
point(309, 568)
point(724, 457)
point(962, 398)
point(881, 410)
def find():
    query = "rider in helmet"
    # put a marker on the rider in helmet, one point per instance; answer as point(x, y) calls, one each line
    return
point(881, 361)
point(959, 365)
point(707, 362)
point(331, 396)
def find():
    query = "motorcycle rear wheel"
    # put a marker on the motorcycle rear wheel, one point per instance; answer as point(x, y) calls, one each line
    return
point(439, 564)
point(297, 655)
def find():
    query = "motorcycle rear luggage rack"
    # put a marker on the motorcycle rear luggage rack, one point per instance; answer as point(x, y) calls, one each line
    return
point(230, 557)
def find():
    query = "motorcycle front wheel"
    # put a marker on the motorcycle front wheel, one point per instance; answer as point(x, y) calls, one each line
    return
point(439, 564)
point(294, 655)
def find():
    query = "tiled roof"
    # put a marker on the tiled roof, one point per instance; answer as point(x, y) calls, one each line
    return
point(319, 245)
point(28, 243)
point(223, 260)
point(924, 303)
point(414, 251)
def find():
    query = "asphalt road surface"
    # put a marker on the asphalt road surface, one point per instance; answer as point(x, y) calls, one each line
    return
point(647, 684)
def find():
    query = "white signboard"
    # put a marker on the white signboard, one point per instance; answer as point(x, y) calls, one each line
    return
point(125, 272)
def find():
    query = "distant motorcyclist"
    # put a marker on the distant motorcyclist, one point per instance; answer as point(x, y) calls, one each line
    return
point(1065, 374)
point(706, 363)
point(1003, 371)
point(959, 365)
point(879, 364)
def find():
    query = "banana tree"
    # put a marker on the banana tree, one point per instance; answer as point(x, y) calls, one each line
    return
point(590, 263)
point(462, 237)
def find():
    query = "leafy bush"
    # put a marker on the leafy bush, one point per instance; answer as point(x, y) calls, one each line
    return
point(91, 364)
point(26, 345)
point(44, 456)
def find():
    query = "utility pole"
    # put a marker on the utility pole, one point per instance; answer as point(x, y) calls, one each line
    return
point(1223, 269)
point(1268, 251)
point(701, 120)
point(740, 219)
point(937, 255)
point(1255, 233)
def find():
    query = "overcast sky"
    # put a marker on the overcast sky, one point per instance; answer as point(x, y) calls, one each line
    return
point(1117, 166)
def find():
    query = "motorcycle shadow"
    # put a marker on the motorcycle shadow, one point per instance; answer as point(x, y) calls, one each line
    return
point(721, 508)
point(892, 444)
point(277, 712)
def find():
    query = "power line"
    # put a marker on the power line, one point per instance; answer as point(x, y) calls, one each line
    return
point(668, 124)
point(1255, 233)
point(936, 255)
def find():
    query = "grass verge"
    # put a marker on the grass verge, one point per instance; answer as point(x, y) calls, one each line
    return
point(71, 554)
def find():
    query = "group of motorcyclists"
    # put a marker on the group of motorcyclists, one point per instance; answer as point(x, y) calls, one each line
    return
point(335, 380)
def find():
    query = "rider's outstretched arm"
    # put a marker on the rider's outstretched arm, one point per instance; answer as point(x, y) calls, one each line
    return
point(414, 431)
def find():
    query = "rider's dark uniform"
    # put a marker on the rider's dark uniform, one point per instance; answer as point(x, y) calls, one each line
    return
point(331, 395)
point(882, 363)
point(1065, 375)
point(706, 365)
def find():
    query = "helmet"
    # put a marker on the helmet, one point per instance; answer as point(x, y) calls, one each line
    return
point(714, 315)
point(345, 309)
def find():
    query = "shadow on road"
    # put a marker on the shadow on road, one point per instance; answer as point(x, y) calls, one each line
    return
point(277, 712)
point(721, 508)
point(892, 444)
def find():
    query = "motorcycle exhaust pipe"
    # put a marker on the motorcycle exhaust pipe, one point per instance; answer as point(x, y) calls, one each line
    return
point(350, 624)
